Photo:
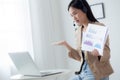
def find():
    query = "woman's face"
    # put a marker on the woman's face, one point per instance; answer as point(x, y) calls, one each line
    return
point(78, 15)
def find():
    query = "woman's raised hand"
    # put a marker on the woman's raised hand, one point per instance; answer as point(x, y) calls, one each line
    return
point(63, 43)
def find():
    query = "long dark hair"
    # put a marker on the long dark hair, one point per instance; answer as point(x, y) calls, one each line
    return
point(84, 6)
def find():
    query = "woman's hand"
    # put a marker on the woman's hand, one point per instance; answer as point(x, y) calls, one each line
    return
point(95, 52)
point(63, 43)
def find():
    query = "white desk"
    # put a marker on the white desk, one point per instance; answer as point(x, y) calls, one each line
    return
point(51, 77)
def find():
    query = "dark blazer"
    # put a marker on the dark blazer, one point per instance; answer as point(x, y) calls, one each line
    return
point(100, 67)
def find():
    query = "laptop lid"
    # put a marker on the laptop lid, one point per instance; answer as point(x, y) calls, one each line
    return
point(24, 63)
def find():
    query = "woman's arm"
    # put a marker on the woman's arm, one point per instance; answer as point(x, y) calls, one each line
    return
point(73, 53)
point(106, 52)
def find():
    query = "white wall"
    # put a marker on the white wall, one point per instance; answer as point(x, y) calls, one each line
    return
point(111, 19)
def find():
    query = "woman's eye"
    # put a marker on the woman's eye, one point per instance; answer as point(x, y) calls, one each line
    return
point(75, 13)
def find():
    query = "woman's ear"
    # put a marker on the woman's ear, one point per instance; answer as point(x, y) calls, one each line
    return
point(74, 23)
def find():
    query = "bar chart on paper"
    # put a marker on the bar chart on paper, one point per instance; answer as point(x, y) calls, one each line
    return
point(94, 38)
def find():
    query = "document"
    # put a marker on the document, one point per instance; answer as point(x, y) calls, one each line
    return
point(94, 38)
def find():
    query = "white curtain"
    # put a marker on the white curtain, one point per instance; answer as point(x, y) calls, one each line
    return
point(15, 32)
point(47, 28)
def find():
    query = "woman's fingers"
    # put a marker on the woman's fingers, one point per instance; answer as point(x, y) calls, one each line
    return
point(59, 43)
point(95, 52)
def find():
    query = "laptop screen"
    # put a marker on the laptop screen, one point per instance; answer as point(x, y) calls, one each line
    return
point(24, 63)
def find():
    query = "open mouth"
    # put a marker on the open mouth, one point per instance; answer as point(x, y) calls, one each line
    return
point(77, 21)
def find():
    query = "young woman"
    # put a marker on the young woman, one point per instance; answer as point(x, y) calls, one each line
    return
point(93, 66)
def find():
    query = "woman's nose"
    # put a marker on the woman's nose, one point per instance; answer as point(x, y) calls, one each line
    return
point(74, 18)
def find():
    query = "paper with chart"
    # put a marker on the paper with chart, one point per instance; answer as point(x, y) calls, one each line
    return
point(95, 37)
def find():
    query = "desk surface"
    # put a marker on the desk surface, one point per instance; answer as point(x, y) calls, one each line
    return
point(21, 77)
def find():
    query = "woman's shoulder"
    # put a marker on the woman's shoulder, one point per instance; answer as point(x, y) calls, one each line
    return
point(98, 23)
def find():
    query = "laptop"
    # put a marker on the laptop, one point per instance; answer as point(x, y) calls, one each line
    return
point(26, 66)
